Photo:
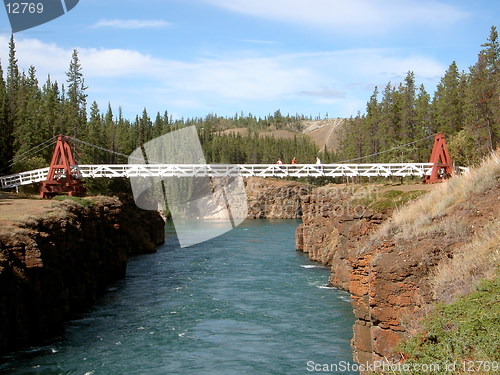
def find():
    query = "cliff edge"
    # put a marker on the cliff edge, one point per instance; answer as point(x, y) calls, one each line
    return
point(57, 263)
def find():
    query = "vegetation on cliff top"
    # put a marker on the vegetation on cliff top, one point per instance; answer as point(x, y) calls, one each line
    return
point(477, 257)
point(389, 199)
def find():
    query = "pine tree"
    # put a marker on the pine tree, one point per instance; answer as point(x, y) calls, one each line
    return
point(389, 131)
point(144, 128)
point(372, 121)
point(124, 139)
point(51, 108)
point(28, 131)
point(94, 134)
point(483, 100)
point(109, 130)
point(424, 125)
point(76, 98)
point(12, 86)
point(5, 136)
point(448, 102)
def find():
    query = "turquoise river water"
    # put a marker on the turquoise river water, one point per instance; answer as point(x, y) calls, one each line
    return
point(243, 303)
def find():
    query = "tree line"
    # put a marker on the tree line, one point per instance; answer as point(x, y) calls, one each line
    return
point(31, 114)
point(465, 106)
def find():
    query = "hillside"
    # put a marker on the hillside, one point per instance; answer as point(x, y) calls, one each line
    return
point(327, 132)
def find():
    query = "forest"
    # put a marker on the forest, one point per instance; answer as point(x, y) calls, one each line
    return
point(397, 126)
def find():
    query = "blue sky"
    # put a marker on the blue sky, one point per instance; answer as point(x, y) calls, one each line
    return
point(194, 57)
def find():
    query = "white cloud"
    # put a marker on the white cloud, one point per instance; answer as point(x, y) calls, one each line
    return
point(132, 24)
point(131, 78)
point(353, 16)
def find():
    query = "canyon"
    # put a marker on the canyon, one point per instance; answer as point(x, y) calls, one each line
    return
point(380, 248)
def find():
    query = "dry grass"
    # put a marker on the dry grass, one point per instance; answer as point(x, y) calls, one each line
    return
point(420, 218)
point(474, 261)
point(439, 215)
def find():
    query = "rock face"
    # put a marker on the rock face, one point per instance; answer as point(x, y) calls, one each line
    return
point(334, 223)
point(58, 265)
point(275, 199)
point(387, 262)
point(392, 274)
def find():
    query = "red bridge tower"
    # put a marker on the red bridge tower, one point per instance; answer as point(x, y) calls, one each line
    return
point(61, 178)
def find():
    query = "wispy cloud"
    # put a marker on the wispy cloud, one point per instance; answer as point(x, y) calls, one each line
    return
point(135, 80)
point(353, 16)
point(132, 24)
point(256, 41)
point(323, 92)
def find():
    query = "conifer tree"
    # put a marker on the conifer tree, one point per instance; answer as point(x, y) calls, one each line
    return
point(448, 102)
point(5, 136)
point(28, 131)
point(483, 96)
point(109, 130)
point(372, 121)
point(76, 101)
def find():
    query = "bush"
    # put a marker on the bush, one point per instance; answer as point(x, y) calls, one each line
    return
point(463, 332)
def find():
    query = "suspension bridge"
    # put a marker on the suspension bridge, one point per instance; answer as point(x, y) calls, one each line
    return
point(64, 175)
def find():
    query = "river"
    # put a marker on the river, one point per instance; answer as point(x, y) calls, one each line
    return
point(243, 303)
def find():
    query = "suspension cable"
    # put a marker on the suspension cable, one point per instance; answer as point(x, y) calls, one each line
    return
point(389, 150)
point(30, 153)
point(101, 148)
point(33, 149)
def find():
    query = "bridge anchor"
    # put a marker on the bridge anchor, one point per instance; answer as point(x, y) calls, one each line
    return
point(62, 179)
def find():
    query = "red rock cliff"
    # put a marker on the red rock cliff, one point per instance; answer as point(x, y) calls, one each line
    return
point(388, 264)
point(58, 264)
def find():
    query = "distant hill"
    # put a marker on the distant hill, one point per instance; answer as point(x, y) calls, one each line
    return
point(325, 132)
point(322, 132)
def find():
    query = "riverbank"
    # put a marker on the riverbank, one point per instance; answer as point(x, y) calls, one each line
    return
point(58, 257)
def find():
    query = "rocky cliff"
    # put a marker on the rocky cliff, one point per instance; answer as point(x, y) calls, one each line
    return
point(336, 220)
point(59, 263)
point(397, 263)
point(431, 251)
point(275, 199)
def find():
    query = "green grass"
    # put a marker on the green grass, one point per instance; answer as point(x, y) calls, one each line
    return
point(78, 200)
point(466, 331)
point(390, 199)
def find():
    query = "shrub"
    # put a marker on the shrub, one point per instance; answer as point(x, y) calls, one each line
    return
point(463, 332)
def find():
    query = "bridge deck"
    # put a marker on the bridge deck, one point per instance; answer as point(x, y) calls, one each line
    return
point(225, 170)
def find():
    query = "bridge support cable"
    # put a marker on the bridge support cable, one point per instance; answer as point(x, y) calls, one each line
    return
point(31, 152)
point(389, 150)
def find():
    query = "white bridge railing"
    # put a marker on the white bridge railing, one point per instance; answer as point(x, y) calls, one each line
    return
point(225, 170)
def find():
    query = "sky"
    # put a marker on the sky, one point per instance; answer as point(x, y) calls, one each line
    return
point(195, 57)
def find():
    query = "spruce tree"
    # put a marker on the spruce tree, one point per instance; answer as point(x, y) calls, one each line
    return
point(372, 121)
point(448, 103)
point(5, 136)
point(28, 131)
point(483, 96)
point(76, 98)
